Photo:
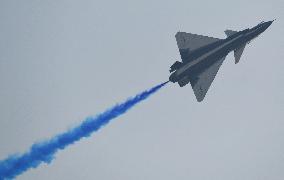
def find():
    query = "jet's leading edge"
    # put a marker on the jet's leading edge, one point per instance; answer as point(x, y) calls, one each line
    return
point(202, 56)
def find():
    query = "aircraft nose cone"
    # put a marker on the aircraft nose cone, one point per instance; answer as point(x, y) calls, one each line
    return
point(267, 24)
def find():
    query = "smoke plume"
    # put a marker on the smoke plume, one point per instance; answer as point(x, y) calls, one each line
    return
point(44, 151)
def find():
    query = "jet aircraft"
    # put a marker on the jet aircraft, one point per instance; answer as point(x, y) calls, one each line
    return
point(202, 56)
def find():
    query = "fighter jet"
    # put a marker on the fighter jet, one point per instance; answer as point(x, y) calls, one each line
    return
point(202, 56)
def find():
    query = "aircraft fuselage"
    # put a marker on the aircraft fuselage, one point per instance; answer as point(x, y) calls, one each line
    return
point(204, 57)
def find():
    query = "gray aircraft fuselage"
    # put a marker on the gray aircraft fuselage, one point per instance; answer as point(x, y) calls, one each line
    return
point(204, 57)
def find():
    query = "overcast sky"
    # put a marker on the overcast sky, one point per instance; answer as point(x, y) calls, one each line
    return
point(61, 61)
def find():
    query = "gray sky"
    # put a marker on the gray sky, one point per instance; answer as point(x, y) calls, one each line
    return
point(61, 61)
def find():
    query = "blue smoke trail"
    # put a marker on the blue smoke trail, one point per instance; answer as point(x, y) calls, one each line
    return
point(45, 151)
